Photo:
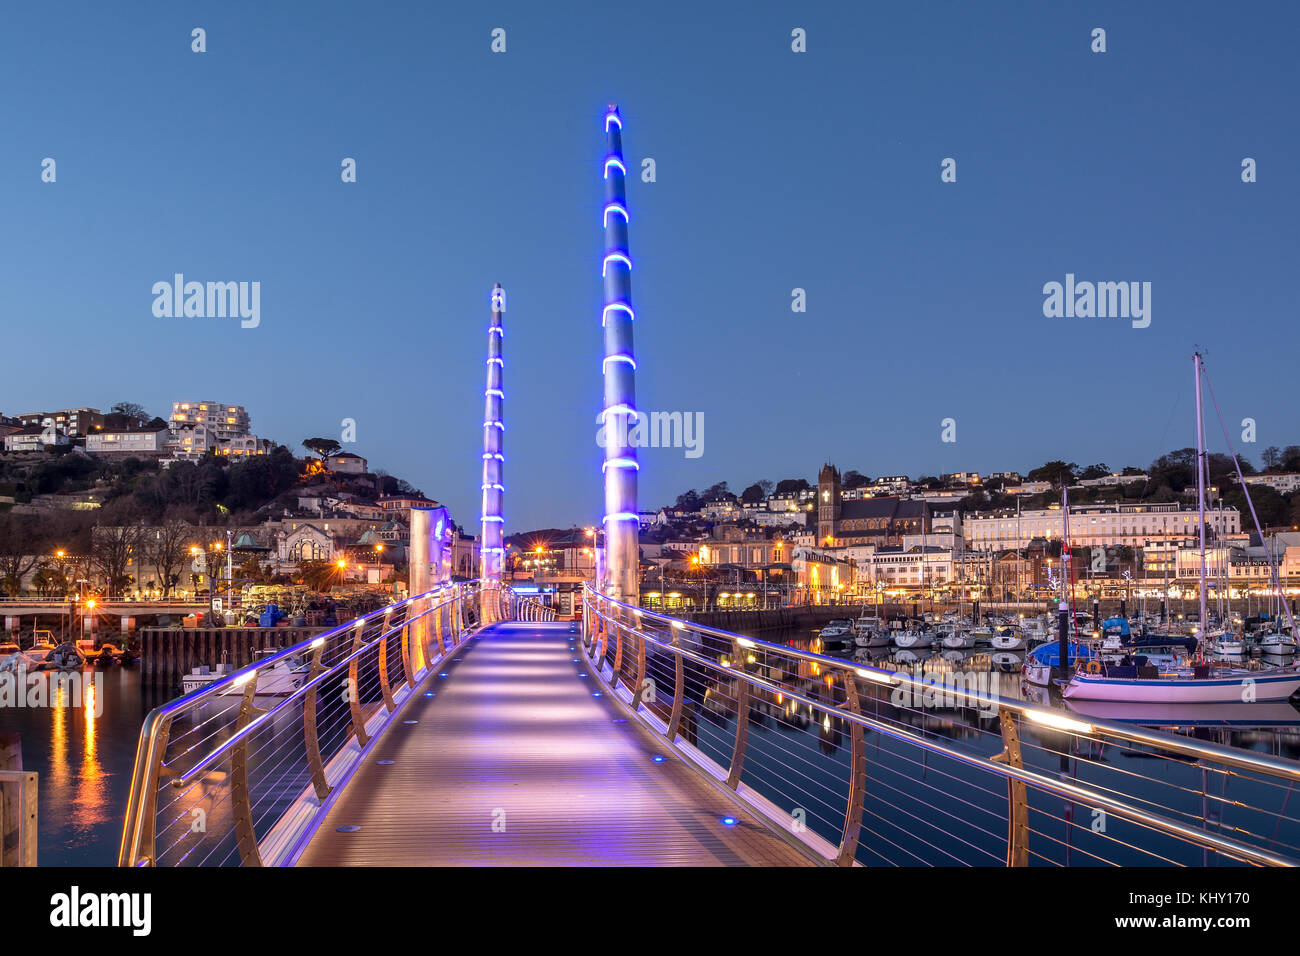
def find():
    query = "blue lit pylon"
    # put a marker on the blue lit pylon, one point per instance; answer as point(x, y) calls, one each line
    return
point(491, 549)
point(622, 553)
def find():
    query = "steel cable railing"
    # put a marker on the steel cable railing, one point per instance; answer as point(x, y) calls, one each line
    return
point(887, 767)
point(242, 770)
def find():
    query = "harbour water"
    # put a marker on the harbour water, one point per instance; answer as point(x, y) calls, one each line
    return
point(85, 761)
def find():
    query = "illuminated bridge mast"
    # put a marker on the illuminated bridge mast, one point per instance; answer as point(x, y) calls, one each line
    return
point(622, 555)
point(492, 551)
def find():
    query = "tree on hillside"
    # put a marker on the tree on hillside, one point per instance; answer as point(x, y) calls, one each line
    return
point(322, 446)
point(855, 479)
point(1054, 471)
point(752, 495)
point(130, 410)
point(1271, 458)
point(791, 485)
point(1099, 470)
point(1271, 507)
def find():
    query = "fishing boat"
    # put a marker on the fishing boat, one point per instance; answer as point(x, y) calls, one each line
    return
point(1198, 681)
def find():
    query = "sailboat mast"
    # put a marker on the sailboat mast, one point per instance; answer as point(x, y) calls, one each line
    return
point(1200, 489)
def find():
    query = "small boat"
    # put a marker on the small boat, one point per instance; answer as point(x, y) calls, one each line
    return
point(66, 656)
point(1009, 639)
point(1045, 658)
point(9, 647)
point(957, 639)
point(836, 631)
point(279, 680)
point(912, 638)
point(1194, 684)
point(1273, 642)
point(872, 637)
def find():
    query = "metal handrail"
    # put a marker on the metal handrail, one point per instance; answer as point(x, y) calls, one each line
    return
point(1244, 759)
point(152, 766)
point(607, 613)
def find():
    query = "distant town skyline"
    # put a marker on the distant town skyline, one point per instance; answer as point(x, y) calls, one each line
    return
point(776, 171)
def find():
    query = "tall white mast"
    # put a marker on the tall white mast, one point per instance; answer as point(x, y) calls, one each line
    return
point(1200, 488)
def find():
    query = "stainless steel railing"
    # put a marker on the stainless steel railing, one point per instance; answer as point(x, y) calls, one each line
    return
point(889, 767)
point(242, 771)
point(526, 609)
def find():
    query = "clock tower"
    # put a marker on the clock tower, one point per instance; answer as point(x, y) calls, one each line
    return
point(828, 503)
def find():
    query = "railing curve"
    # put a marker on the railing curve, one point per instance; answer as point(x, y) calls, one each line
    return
point(875, 766)
point(241, 771)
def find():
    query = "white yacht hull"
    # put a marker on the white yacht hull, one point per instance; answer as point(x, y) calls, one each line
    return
point(1184, 690)
point(912, 640)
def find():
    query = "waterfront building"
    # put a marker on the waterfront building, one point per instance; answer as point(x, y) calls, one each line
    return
point(1096, 524)
point(878, 520)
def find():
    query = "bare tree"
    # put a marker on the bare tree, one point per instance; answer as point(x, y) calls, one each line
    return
point(166, 547)
point(111, 551)
point(18, 544)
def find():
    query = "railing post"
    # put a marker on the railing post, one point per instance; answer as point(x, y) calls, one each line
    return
point(639, 638)
point(742, 719)
point(679, 685)
point(852, 830)
point(404, 642)
point(437, 627)
point(618, 643)
point(1017, 800)
point(240, 798)
point(384, 686)
point(139, 839)
point(354, 689)
point(314, 762)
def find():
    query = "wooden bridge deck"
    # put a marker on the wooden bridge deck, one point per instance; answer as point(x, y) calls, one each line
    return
point(516, 762)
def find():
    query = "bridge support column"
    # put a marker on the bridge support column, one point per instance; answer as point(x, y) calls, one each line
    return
point(619, 415)
point(491, 548)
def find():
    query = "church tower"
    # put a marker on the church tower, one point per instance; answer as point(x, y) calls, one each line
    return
point(828, 504)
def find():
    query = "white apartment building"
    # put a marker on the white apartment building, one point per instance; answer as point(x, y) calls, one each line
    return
point(1282, 484)
point(129, 442)
point(224, 421)
point(1095, 524)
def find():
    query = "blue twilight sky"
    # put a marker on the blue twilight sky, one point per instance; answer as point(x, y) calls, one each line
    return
point(775, 170)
